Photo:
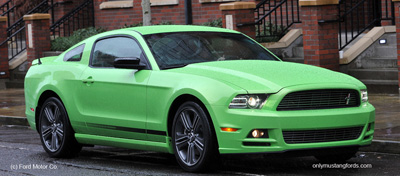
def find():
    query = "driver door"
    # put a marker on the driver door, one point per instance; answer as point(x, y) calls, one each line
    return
point(112, 100)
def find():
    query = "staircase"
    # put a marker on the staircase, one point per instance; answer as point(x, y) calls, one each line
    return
point(79, 17)
point(274, 18)
point(293, 53)
point(377, 66)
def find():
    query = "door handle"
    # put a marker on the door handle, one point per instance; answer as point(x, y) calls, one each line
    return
point(88, 80)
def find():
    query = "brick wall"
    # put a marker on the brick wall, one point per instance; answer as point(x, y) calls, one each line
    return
point(116, 18)
point(65, 8)
point(40, 30)
point(320, 41)
point(4, 73)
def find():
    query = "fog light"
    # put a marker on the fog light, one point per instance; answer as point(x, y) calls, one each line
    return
point(257, 133)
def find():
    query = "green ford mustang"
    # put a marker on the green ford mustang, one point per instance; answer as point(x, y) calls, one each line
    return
point(196, 92)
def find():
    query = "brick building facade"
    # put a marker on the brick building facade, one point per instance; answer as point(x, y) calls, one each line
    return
point(320, 39)
point(114, 15)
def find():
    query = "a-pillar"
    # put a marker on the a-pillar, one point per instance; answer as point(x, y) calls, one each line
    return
point(4, 73)
point(320, 39)
point(235, 13)
point(397, 21)
point(37, 27)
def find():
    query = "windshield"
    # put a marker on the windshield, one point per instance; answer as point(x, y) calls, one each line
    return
point(172, 50)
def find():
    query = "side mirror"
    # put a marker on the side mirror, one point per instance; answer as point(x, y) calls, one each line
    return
point(129, 62)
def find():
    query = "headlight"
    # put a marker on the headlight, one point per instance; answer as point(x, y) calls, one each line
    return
point(253, 101)
point(364, 96)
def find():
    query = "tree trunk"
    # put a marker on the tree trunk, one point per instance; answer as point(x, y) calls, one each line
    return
point(146, 12)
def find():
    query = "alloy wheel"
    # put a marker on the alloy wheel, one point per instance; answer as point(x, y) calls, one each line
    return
point(52, 127)
point(189, 137)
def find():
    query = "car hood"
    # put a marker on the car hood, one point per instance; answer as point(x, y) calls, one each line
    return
point(270, 76)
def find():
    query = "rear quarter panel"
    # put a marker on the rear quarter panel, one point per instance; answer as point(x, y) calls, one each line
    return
point(59, 77)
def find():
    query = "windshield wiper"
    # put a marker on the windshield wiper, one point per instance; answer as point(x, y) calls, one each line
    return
point(174, 66)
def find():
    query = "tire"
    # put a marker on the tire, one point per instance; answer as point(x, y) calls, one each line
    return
point(336, 158)
point(55, 131)
point(193, 140)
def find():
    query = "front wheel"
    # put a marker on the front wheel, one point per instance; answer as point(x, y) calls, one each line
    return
point(193, 140)
point(55, 131)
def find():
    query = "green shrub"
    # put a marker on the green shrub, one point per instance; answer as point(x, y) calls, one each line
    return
point(63, 43)
point(272, 33)
point(132, 25)
point(214, 23)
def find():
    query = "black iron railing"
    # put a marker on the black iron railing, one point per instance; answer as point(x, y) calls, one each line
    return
point(355, 17)
point(388, 11)
point(274, 18)
point(4, 8)
point(16, 39)
point(80, 17)
point(8, 9)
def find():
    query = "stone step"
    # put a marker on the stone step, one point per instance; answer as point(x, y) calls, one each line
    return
point(380, 82)
point(14, 51)
point(294, 59)
point(386, 51)
point(386, 46)
point(378, 62)
point(375, 74)
point(14, 84)
point(17, 76)
point(298, 51)
point(382, 86)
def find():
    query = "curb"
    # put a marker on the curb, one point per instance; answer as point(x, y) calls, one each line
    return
point(377, 145)
point(11, 120)
point(383, 146)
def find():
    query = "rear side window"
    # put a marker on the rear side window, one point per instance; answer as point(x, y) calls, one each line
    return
point(75, 54)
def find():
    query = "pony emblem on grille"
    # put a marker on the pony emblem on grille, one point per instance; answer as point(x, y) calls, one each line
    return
point(348, 99)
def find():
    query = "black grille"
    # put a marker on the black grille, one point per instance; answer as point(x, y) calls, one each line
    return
point(320, 99)
point(328, 135)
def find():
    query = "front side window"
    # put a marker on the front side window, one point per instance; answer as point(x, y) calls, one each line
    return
point(178, 49)
point(74, 54)
point(107, 50)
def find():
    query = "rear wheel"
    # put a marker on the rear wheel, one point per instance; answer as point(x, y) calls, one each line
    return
point(193, 140)
point(55, 131)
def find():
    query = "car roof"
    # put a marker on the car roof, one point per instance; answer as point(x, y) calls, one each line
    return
point(156, 29)
point(145, 30)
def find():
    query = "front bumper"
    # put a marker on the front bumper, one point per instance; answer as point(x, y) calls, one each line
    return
point(277, 121)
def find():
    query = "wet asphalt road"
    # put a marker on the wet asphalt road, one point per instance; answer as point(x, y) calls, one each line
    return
point(22, 154)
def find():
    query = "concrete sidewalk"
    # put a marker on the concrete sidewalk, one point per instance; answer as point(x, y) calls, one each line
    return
point(387, 123)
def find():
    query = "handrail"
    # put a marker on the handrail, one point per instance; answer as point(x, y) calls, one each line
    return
point(5, 5)
point(272, 21)
point(271, 11)
point(261, 3)
point(7, 8)
point(389, 16)
point(59, 25)
point(354, 21)
point(16, 31)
